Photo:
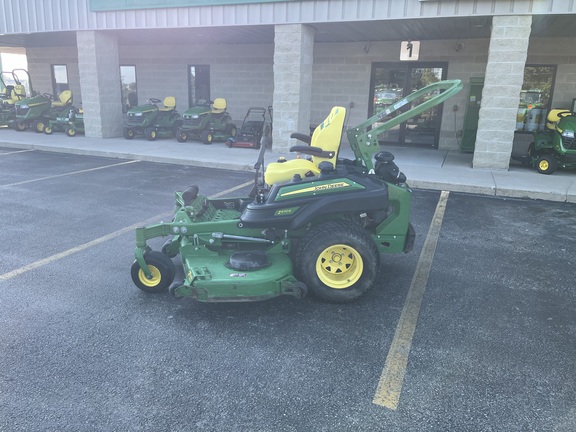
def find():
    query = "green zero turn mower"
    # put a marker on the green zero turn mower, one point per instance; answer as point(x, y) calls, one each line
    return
point(153, 121)
point(12, 90)
point(315, 224)
point(207, 123)
point(555, 146)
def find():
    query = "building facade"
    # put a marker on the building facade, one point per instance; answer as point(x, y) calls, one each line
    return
point(302, 57)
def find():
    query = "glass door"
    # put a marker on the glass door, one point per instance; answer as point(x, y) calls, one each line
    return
point(391, 82)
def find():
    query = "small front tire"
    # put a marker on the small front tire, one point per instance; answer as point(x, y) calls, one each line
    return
point(162, 269)
point(129, 133)
point(546, 164)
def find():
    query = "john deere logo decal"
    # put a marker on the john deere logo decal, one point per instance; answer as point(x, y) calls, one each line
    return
point(317, 188)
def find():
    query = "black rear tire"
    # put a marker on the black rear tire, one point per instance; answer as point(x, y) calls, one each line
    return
point(338, 261)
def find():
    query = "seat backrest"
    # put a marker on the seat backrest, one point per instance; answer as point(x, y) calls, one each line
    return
point(328, 134)
point(169, 103)
point(18, 92)
point(553, 117)
point(219, 105)
point(64, 99)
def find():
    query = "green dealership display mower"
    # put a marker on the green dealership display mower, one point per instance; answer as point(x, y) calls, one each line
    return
point(72, 123)
point(153, 121)
point(316, 224)
point(207, 123)
point(555, 146)
point(12, 90)
point(37, 111)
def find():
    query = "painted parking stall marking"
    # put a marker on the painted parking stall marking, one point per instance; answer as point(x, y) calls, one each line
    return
point(36, 264)
point(390, 384)
point(70, 173)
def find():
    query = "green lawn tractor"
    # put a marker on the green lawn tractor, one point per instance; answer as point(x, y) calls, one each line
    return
point(36, 112)
point(206, 123)
point(12, 90)
point(317, 224)
point(72, 123)
point(153, 121)
point(555, 146)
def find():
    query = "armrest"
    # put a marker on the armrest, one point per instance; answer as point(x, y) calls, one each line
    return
point(301, 137)
point(314, 151)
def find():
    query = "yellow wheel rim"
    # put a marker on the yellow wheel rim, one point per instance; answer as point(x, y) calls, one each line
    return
point(40, 127)
point(154, 280)
point(339, 266)
point(544, 165)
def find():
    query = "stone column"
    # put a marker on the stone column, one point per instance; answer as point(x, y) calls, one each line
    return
point(501, 93)
point(100, 83)
point(292, 100)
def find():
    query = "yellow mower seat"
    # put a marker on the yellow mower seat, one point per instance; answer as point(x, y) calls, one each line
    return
point(17, 92)
point(554, 116)
point(219, 106)
point(326, 136)
point(169, 104)
point(64, 99)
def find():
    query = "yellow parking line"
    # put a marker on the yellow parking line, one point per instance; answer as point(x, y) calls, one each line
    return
point(70, 173)
point(390, 384)
point(34, 265)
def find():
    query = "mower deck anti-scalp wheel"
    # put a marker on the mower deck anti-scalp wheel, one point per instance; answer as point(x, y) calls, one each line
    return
point(546, 164)
point(338, 261)
point(162, 269)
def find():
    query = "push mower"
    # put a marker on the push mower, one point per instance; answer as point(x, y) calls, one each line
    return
point(36, 112)
point(313, 225)
point(252, 129)
point(153, 121)
point(554, 147)
point(207, 124)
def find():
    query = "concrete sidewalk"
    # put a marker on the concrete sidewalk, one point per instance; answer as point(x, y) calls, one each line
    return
point(424, 168)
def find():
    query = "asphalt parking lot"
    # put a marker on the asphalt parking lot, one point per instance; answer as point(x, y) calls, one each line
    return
point(490, 296)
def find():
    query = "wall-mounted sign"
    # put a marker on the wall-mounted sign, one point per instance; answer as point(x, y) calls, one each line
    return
point(409, 50)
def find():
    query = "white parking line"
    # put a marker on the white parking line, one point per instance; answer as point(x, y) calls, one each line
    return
point(34, 265)
point(70, 173)
point(17, 151)
point(390, 384)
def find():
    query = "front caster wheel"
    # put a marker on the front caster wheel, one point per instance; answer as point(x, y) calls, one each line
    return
point(338, 261)
point(162, 269)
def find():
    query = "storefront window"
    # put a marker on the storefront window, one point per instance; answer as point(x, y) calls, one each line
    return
point(535, 97)
point(129, 87)
point(59, 79)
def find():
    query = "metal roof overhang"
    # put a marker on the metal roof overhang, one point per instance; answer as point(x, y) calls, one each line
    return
point(349, 31)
